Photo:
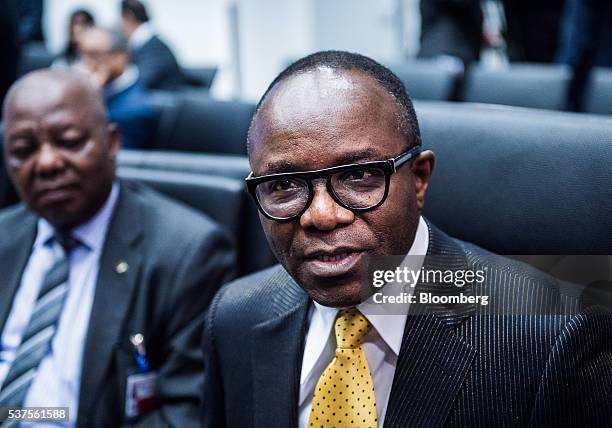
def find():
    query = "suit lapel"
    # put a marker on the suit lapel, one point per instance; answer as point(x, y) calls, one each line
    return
point(278, 347)
point(431, 367)
point(119, 266)
point(14, 255)
point(433, 360)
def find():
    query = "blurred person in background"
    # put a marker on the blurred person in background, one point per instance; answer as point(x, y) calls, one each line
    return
point(158, 66)
point(99, 311)
point(532, 29)
point(451, 28)
point(585, 42)
point(80, 20)
point(105, 59)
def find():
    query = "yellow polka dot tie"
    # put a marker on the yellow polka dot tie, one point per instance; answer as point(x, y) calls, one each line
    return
point(344, 395)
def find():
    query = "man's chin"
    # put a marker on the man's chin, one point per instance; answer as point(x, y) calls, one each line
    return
point(336, 295)
point(62, 219)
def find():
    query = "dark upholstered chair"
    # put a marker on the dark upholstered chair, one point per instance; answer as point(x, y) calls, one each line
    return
point(598, 97)
point(200, 77)
point(524, 85)
point(224, 165)
point(211, 184)
point(427, 80)
point(34, 56)
point(206, 193)
point(192, 122)
point(520, 181)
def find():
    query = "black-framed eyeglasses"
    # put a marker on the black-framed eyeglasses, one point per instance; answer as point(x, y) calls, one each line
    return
point(358, 187)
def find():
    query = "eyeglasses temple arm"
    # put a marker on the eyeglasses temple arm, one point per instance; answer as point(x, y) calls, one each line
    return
point(405, 157)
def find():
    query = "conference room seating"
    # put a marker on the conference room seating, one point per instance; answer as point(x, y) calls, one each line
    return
point(196, 123)
point(221, 198)
point(520, 181)
point(428, 80)
point(183, 171)
point(598, 97)
point(34, 56)
point(212, 164)
point(533, 185)
point(512, 180)
point(199, 77)
point(542, 86)
point(207, 193)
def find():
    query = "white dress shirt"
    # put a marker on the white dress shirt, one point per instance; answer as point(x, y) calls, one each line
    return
point(57, 383)
point(381, 345)
point(140, 36)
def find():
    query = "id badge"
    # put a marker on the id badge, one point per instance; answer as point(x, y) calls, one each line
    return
point(140, 394)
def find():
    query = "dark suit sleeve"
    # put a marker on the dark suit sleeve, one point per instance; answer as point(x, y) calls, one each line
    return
point(212, 398)
point(157, 66)
point(576, 386)
point(201, 271)
point(152, 70)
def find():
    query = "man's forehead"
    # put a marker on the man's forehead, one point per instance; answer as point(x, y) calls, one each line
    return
point(323, 90)
point(280, 162)
point(58, 96)
point(60, 89)
point(323, 118)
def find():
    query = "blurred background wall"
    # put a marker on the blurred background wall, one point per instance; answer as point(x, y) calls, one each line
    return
point(251, 40)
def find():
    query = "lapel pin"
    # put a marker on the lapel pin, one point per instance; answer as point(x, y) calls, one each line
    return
point(122, 267)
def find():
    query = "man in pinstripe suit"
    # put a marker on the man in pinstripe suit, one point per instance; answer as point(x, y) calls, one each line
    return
point(340, 179)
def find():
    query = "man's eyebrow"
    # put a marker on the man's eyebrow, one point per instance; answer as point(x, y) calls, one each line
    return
point(19, 131)
point(279, 167)
point(359, 156)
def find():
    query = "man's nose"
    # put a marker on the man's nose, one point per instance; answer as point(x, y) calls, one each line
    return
point(49, 161)
point(324, 213)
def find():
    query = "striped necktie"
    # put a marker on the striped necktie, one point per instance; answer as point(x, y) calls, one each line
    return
point(39, 333)
point(344, 395)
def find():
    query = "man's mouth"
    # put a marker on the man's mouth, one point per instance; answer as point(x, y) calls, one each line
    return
point(55, 195)
point(333, 263)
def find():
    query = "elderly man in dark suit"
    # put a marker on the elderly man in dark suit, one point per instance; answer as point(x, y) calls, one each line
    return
point(158, 66)
point(340, 177)
point(106, 61)
point(103, 283)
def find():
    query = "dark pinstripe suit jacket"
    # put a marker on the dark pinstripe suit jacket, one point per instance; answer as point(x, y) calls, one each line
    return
point(533, 357)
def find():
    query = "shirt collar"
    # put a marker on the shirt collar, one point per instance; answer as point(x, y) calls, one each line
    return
point(388, 322)
point(140, 36)
point(92, 233)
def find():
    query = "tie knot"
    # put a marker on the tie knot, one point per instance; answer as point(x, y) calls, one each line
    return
point(350, 326)
point(66, 241)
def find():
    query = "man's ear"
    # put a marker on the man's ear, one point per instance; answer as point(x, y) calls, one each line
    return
point(113, 139)
point(422, 168)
